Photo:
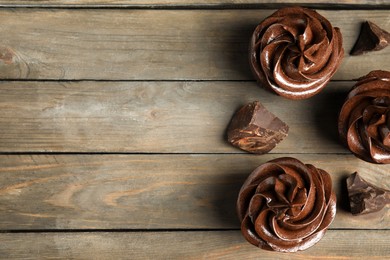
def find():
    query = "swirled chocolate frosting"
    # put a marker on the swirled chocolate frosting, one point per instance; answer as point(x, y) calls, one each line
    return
point(364, 120)
point(294, 52)
point(286, 205)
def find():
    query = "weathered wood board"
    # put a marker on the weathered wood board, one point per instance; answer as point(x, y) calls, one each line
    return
point(192, 3)
point(112, 129)
point(125, 44)
point(157, 117)
point(351, 244)
point(54, 192)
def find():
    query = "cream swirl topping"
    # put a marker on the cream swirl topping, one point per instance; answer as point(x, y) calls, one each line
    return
point(295, 51)
point(364, 120)
point(286, 205)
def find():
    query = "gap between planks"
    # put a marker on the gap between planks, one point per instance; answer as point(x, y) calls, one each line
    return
point(364, 4)
point(336, 244)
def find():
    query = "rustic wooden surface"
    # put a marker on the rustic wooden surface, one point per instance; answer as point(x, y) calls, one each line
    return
point(113, 120)
point(192, 3)
point(40, 192)
point(370, 244)
point(125, 44)
point(169, 117)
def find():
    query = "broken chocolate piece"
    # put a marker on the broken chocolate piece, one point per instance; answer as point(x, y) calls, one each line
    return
point(364, 197)
point(371, 38)
point(256, 130)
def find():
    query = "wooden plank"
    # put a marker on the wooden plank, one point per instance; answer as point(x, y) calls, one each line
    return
point(51, 192)
point(125, 44)
point(157, 117)
point(336, 244)
point(188, 3)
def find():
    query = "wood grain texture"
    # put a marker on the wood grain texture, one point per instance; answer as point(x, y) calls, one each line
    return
point(336, 244)
point(41, 192)
point(125, 44)
point(158, 117)
point(191, 3)
point(163, 78)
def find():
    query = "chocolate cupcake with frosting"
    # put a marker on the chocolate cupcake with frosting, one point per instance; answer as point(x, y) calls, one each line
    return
point(294, 52)
point(364, 120)
point(286, 205)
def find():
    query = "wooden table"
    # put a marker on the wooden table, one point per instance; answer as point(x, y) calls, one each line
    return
point(112, 129)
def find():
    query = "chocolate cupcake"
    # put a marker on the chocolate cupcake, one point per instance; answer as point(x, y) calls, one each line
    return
point(294, 52)
point(364, 120)
point(286, 205)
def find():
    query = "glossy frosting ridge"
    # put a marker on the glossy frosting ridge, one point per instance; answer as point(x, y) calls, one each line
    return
point(295, 51)
point(286, 205)
point(364, 120)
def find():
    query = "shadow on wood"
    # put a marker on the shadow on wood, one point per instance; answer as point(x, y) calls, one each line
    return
point(326, 108)
point(343, 199)
point(240, 61)
point(224, 193)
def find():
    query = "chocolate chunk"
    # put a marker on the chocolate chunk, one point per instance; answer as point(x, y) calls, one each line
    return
point(371, 38)
point(364, 197)
point(256, 130)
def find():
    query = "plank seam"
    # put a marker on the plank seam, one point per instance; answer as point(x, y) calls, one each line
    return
point(142, 80)
point(159, 153)
point(154, 230)
point(319, 6)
